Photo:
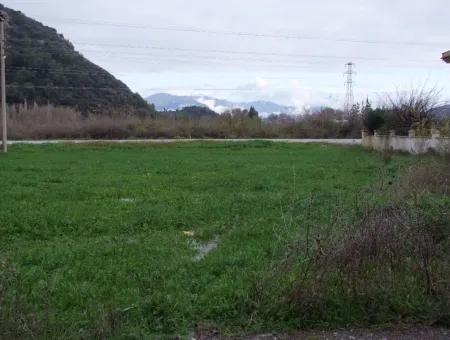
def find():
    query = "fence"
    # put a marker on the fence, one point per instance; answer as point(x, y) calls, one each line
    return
point(412, 143)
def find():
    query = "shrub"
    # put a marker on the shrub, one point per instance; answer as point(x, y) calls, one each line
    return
point(389, 264)
point(413, 109)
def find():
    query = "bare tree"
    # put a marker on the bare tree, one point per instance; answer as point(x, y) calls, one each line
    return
point(413, 108)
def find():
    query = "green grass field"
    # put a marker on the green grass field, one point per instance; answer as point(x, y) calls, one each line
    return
point(98, 240)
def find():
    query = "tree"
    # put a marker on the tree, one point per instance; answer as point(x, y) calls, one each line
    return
point(196, 112)
point(372, 119)
point(413, 109)
point(252, 113)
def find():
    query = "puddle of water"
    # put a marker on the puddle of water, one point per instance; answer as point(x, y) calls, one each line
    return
point(203, 249)
point(189, 233)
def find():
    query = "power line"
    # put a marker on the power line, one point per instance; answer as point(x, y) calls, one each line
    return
point(125, 53)
point(211, 62)
point(161, 58)
point(239, 33)
point(87, 72)
point(46, 87)
point(58, 71)
point(149, 89)
point(83, 71)
point(172, 56)
point(219, 51)
point(157, 58)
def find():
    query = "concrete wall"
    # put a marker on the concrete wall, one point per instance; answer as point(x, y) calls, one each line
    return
point(411, 144)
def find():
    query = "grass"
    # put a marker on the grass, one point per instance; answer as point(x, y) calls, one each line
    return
point(94, 240)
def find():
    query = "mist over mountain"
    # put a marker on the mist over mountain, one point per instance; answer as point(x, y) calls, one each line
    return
point(169, 102)
point(43, 67)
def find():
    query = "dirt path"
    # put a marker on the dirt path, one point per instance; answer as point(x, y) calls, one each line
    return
point(412, 333)
point(168, 141)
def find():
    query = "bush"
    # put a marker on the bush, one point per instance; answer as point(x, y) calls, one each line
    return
point(391, 264)
point(410, 110)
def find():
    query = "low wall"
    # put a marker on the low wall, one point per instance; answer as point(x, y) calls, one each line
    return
point(411, 144)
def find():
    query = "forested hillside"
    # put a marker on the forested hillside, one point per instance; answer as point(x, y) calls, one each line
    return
point(43, 67)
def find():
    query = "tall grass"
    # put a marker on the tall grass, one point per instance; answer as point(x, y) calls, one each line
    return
point(388, 262)
point(49, 122)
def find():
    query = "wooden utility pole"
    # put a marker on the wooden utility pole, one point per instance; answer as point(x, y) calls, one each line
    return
point(3, 17)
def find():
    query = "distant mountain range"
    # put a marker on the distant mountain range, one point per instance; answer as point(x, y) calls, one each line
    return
point(442, 111)
point(165, 101)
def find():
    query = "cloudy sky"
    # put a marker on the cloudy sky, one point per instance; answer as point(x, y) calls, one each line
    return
point(289, 51)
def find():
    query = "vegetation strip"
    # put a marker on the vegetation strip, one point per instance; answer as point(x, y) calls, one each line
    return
point(77, 260)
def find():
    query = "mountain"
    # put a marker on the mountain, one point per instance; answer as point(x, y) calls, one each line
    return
point(43, 67)
point(442, 111)
point(165, 101)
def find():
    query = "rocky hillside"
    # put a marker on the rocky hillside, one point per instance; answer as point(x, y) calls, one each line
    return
point(43, 67)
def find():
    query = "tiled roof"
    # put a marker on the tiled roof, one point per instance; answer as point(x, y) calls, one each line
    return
point(446, 56)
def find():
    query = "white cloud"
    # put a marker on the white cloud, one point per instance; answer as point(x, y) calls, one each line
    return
point(212, 105)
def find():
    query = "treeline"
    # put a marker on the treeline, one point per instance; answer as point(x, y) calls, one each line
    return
point(416, 110)
point(49, 122)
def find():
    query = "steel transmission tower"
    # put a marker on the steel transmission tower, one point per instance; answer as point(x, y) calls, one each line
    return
point(349, 96)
